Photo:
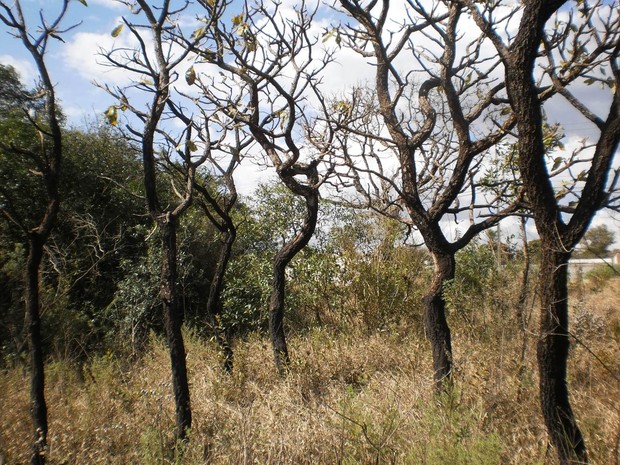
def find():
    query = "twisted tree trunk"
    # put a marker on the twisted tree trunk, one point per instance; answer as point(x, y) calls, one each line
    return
point(281, 260)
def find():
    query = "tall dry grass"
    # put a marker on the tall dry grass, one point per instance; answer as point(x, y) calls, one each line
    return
point(352, 397)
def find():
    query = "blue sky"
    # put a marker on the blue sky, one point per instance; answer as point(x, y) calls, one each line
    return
point(75, 64)
point(80, 99)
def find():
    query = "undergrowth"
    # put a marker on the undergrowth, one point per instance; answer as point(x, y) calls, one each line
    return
point(351, 397)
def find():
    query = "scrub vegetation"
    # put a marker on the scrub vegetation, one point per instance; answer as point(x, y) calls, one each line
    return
point(363, 306)
point(352, 396)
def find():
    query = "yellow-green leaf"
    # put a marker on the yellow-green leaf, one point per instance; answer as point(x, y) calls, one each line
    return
point(111, 115)
point(190, 76)
point(243, 29)
point(191, 146)
point(237, 20)
point(83, 2)
point(117, 30)
point(199, 33)
point(341, 106)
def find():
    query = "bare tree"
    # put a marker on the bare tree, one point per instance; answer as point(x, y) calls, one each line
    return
point(268, 69)
point(156, 65)
point(46, 160)
point(564, 49)
point(218, 206)
point(413, 144)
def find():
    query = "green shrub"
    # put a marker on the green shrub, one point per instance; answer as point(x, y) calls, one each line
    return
point(599, 276)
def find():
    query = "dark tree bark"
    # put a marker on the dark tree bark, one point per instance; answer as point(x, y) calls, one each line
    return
point(435, 322)
point(552, 354)
point(47, 159)
point(558, 235)
point(274, 83)
point(38, 406)
point(280, 262)
point(173, 321)
point(159, 145)
point(213, 302)
point(436, 138)
point(217, 209)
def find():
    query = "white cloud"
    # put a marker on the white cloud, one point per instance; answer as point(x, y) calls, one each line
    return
point(84, 55)
point(248, 176)
point(26, 69)
point(111, 4)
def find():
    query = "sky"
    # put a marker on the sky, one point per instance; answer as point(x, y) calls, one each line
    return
point(76, 65)
point(72, 65)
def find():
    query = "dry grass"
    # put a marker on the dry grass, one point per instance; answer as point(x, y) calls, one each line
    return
point(353, 398)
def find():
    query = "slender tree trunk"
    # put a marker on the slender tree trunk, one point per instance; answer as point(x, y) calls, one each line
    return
point(436, 325)
point(522, 302)
point(281, 260)
point(552, 352)
point(173, 320)
point(523, 319)
point(38, 406)
point(276, 315)
point(214, 303)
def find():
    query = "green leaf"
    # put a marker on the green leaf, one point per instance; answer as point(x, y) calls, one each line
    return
point(83, 2)
point(556, 163)
point(191, 146)
point(117, 30)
